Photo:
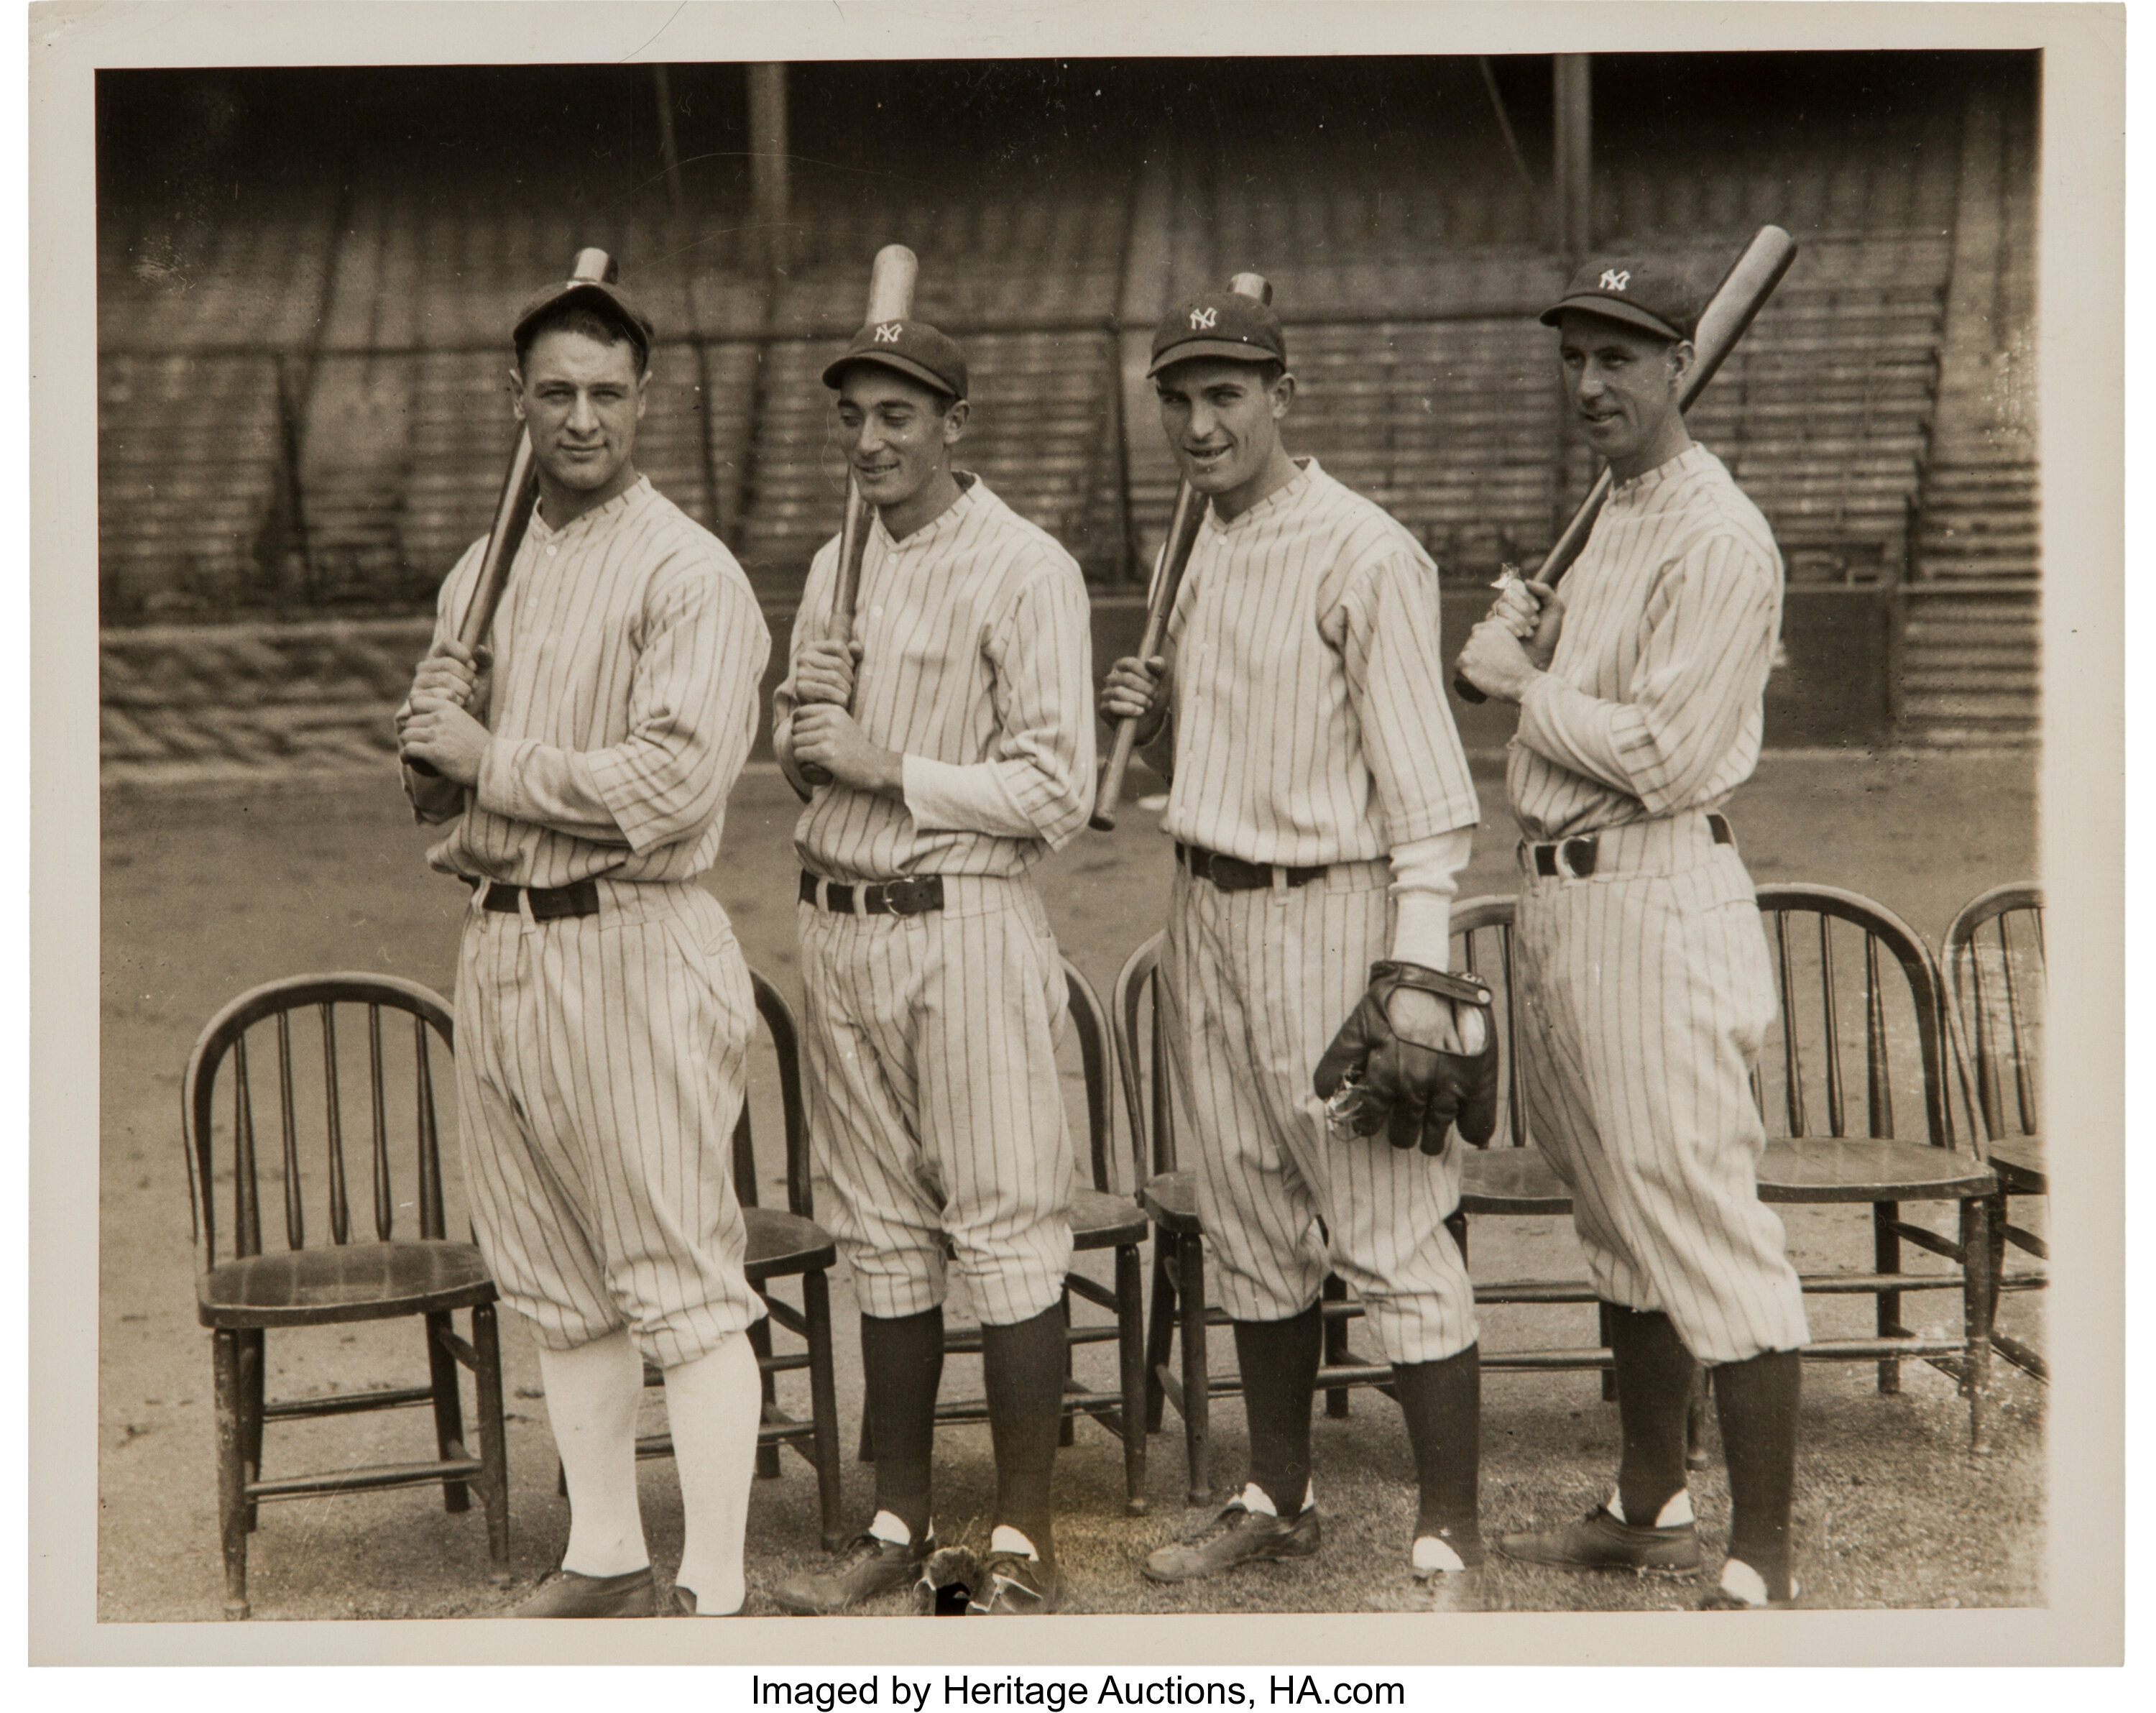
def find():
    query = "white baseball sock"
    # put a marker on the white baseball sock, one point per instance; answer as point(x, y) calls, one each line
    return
point(592, 1394)
point(714, 1406)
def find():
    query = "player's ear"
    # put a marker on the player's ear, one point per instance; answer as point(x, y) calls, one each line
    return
point(516, 390)
point(1682, 355)
point(1283, 393)
point(642, 391)
point(954, 421)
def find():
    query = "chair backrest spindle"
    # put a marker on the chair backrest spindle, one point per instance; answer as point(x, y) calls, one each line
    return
point(333, 1126)
point(1793, 1093)
point(247, 1201)
point(296, 1215)
point(1836, 1126)
point(385, 1197)
point(2025, 1088)
point(432, 1220)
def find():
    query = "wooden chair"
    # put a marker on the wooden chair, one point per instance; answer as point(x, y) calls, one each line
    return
point(1169, 1197)
point(1105, 1217)
point(1821, 1023)
point(1995, 957)
point(786, 1244)
point(368, 1271)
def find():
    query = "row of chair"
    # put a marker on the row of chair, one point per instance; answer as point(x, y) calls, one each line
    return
point(1895, 1011)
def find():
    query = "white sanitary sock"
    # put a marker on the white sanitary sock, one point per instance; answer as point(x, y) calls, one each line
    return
point(1006, 1538)
point(713, 1408)
point(1256, 1499)
point(591, 1395)
point(1675, 1512)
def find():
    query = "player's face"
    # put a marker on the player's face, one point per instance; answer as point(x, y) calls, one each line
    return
point(1222, 421)
point(894, 435)
point(582, 399)
point(1623, 385)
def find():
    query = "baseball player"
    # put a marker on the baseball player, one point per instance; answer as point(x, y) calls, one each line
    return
point(1644, 975)
point(1321, 808)
point(958, 735)
point(603, 1009)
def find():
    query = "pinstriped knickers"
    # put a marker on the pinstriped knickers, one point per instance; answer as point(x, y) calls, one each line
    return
point(1256, 985)
point(1646, 995)
point(600, 1064)
point(935, 1103)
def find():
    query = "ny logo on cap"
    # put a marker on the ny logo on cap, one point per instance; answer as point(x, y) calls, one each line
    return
point(887, 332)
point(1616, 280)
point(1204, 318)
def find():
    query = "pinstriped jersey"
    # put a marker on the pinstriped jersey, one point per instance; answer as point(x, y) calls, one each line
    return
point(1653, 701)
point(1310, 723)
point(627, 651)
point(977, 654)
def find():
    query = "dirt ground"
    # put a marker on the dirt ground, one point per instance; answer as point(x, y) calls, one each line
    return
point(210, 888)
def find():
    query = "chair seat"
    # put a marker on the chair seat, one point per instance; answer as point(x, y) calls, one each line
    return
point(343, 1282)
point(1172, 1200)
point(1855, 1169)
point(781, 1244)
point(1100, 1221)
point(2019, 1161)
point(1511, 1181)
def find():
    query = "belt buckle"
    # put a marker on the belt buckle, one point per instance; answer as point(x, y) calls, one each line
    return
point(905, 897)
point(1567, 867)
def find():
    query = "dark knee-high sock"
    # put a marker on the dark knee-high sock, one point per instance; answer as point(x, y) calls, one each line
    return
point(902, 1366)
point(1443, 1403)
point(1279, 1363)
point(1654, 1384)
point(1023, 1366)
point(1757, 1403)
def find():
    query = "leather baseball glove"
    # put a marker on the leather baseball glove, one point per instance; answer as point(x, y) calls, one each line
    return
point(1376, 1075)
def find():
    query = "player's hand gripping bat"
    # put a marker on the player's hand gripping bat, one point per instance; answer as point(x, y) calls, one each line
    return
point(512, 511)
point(1160, 599)
point(890, 299)
point(1737, 301)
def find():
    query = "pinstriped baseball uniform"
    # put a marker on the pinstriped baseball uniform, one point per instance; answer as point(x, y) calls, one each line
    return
point(1311, 728)
point(929, 1040)
point(600, 1058)
point(1647, 986)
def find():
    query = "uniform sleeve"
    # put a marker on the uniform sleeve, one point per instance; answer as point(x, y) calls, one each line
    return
point(435, 799)
point(1389, 647)
point(1710, 626)
point(812, 623)
point(1037, 784)
point(691, 720)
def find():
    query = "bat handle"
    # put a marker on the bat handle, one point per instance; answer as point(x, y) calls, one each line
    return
point(1465, 691)
point(1105, 802)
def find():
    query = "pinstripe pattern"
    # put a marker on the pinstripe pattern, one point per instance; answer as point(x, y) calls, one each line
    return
point(929, 1041)
point(1646, 990)
point(1652, 703)
point(628, 649)
point(1256, 985)
point(1310, 723)
point(1311, 728)
point(930, 1045)
point(978, 654)
point(600, 1058)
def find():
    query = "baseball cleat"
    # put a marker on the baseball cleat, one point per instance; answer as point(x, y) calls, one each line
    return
point(1015, 1585)
point(874, 1566)
point(568, 1593)
point(1237, 1535)
point(1598, 1541)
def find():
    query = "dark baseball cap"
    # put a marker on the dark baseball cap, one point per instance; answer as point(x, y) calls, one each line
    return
point(1222, 324)
point(910, 348)
point(608, 300)
point(1653, 296)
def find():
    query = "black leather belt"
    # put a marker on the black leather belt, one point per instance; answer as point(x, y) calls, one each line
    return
point(1575, 858)
point(548, 903)
point(1231, 874)
point(912, 897)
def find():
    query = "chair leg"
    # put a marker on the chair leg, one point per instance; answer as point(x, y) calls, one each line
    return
point(1886, 1257)
point(1335, 1345)
point(1697, 1411)
point(759, 1340)
point(1130, 1347)
point(823, 1404)
point(1979, 1295)
point(254, 1365)
point(1196, 1388)
point(449, 1408)
point(231, 1468)
point(1603, 1335)
point(1160, 1331)
point(493, 1440)
point(1067, 1433)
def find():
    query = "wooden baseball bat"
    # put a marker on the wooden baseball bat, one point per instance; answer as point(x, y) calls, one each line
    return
point(1729, 313)
point(512, 511)
point(890, 299)
point(1167, 571)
